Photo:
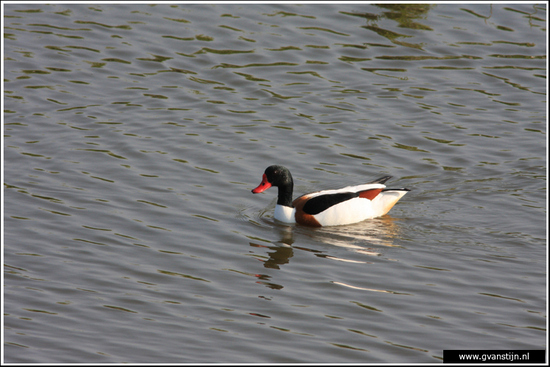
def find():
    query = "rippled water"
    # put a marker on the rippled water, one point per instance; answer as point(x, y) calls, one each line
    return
point(133, 135)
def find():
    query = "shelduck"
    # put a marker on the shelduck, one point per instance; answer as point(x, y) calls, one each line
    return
point(347, 205)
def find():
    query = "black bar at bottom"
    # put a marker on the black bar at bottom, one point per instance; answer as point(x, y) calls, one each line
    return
point(494, 356)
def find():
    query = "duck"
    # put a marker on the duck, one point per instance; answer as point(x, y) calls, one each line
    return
point(348, 205)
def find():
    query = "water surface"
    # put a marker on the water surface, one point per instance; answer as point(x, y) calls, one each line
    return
point(133, 135)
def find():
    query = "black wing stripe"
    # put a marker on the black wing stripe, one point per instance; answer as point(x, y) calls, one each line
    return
point(320, 203)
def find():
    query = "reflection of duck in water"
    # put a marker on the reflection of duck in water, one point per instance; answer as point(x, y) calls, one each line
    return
point(348, 205)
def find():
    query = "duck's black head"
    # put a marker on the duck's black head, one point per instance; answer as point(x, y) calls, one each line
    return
point(280, 177)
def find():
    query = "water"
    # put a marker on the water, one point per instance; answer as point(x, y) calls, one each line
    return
point(133, 135)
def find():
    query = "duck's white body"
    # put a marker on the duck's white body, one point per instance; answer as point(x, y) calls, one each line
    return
point(348, 205)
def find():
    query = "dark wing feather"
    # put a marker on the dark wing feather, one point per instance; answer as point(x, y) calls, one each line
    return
point(322, 202)
point(381, 180)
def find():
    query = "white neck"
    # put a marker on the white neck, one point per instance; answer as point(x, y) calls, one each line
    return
point(285, 214)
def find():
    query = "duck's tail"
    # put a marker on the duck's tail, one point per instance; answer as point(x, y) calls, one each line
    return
point(384, 201)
